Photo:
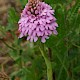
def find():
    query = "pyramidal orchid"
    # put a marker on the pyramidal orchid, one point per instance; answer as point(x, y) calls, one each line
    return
point(37, 21)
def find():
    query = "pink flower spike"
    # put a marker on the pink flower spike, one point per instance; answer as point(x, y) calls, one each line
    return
point(37, 21)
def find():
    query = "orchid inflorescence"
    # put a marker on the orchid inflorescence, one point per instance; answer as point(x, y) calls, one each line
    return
point(37, 21)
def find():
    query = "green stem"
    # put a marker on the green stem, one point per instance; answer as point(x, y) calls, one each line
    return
point(48, 64)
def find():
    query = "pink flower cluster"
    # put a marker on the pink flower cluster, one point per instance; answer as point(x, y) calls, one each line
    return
point(38, 23)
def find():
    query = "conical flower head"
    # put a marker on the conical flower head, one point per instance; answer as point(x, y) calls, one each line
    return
point(37, 21)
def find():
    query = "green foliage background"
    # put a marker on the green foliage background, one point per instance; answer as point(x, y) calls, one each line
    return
point(64, 48)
